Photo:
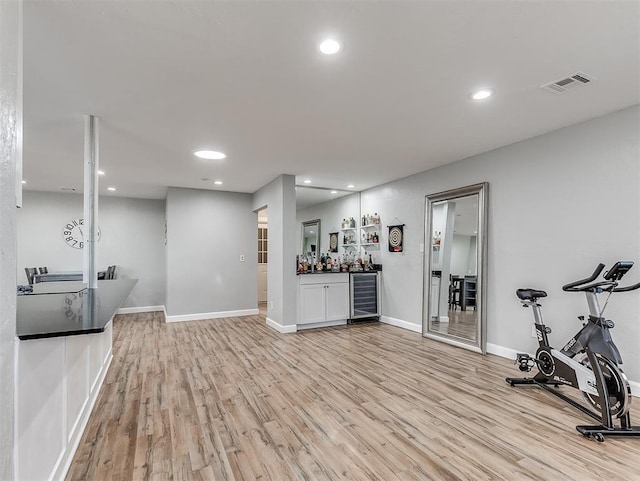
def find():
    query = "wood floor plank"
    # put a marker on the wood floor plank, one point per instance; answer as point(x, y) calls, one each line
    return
point(233, 400)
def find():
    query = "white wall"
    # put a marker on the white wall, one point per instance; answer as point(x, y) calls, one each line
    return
point(280, 197)
point(558, 204)
point(9, 67)
point(132, 238)
point(463, 259)
point(207, 232)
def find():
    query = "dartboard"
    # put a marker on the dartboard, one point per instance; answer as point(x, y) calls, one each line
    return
point(395, 237)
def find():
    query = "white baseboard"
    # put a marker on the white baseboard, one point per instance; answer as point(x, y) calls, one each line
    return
point(212, 315)
point(496, 349)
point(400, 323)
point(280, 328)
point(443, 319)
point(136, 310)
point(635, 388)
point(501, 351)
point(511, 354)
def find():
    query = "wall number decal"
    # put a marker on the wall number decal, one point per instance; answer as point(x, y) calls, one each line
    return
point(73, 233)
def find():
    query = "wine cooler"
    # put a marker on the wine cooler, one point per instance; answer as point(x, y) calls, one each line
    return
point(365, 296)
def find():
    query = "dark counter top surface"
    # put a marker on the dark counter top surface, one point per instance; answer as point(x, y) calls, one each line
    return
point(377, 269)
point(69, 308)
point(320, 272)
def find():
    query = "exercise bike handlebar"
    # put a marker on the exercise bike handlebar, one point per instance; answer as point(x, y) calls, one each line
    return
point(579, 286)
point(628, 288)
point(573, 286)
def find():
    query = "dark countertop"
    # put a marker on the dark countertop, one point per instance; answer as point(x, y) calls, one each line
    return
point(321, 272)
point(377, 269)
point(72, 312)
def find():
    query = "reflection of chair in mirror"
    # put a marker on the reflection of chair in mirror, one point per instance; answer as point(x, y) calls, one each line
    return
point(111, 272)
point(454, 291)
point(468, 295)
point(31, 272)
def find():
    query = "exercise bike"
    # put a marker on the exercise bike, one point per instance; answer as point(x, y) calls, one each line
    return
point(590, 361)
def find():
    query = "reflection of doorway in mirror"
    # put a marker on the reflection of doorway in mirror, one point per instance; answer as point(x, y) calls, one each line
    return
point(454, 267)
point(263, 248)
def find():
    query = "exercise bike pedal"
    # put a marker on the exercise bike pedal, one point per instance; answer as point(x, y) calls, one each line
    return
point(525, 362)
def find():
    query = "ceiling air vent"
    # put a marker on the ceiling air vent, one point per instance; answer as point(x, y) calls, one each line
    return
point(571, 82)
point(67, 189)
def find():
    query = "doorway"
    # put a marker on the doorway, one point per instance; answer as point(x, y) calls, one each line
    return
point(263, 245)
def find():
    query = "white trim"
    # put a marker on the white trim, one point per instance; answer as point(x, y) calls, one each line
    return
point(511, 354)
point(64, 463)
point(495, 349)
point(502, 351)
point(443, 319)
point(635, 388)
point(400, 323)
point(212, 315)
point(314, 325)
point(280, 328)
point(136, 310)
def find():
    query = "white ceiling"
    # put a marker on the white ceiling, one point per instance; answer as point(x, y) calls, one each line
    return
point(308, 196)
point(246, 78)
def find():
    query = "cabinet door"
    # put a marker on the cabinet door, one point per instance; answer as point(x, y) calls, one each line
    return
point(312, 303)
point(337, 296)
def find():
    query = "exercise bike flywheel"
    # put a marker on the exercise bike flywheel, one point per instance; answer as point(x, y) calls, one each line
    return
point(617, 385)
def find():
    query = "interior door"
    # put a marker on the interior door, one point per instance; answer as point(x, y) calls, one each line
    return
point(262, 282)
point(262, 263)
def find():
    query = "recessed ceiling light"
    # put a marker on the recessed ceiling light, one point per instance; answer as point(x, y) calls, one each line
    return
point(209, 154)
point(24, 181)
point(218, 182)
point(306, 181)
point(350, 186)
point(334, 191)
point(329, 47)
point(482, 94)
point(112, 189)
point(101, 172)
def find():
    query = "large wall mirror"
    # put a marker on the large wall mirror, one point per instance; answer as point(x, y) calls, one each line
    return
point(455, 267)
point(311, 238)
point(331, 208)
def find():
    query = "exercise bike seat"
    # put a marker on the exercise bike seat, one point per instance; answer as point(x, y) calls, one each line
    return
point(530, 294)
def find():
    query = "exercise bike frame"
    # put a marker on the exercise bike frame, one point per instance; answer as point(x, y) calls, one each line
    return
point(558, 368)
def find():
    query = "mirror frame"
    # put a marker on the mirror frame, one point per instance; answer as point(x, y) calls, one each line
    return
point(482, 190)
point(311, 223)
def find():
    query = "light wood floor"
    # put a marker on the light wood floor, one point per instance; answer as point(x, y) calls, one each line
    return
point(231, 399)
point(461, 324)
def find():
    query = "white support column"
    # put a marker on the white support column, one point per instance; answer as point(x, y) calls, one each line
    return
point(90, 228)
